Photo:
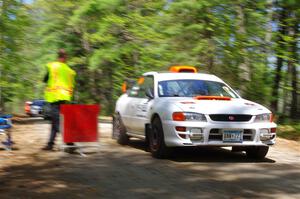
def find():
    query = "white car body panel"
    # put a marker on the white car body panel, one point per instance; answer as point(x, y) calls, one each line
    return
point(137, 112)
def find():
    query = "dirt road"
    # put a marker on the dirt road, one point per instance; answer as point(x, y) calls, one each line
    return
point(129, 172)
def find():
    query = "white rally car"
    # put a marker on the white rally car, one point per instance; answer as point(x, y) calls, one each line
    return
point(180, 108)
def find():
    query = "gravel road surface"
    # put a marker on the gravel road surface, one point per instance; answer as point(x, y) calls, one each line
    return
point(128, 172)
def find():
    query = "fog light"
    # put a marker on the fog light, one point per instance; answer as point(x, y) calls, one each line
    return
point(265, 135)
point(196, 134)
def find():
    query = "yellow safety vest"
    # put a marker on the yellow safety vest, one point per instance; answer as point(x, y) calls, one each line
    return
point(61, 82)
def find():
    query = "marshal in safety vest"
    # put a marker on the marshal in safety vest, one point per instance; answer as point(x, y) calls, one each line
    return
point(61, 82)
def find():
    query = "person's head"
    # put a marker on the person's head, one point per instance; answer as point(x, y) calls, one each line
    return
point(62, 55)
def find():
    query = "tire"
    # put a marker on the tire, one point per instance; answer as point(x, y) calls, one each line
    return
point(119, 131)
point(157, 144)
point(257, 152)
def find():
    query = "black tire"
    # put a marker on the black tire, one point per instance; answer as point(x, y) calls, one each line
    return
point(157, 144)
point(257, 152)
point(119, 131)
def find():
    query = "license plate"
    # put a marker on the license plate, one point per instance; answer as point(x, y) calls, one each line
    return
point(232, 136)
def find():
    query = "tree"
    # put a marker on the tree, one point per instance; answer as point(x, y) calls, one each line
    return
point(287, 55)
point(109, 41)
point(13, 81)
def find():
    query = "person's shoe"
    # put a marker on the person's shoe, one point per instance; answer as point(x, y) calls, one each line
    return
point(47, 148)
point(8, 143)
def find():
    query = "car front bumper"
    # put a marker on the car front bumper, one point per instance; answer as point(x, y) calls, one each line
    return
point(212, 133)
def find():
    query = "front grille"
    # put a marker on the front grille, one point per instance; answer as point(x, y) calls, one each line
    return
point(216, 135)
point(248, 135)
point(230, 118)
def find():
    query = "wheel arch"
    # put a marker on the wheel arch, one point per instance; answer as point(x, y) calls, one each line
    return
point(154, 115)
point(148, 126)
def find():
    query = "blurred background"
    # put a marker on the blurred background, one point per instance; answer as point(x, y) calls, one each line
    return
point(251, 44)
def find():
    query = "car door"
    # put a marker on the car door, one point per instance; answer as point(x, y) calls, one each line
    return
point(142, 104)
point(128, 107)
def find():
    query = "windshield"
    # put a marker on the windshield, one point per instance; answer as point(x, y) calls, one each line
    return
point(38, 103)
point(192, 88)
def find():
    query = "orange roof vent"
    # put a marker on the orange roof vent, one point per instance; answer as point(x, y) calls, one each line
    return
point(183, 69)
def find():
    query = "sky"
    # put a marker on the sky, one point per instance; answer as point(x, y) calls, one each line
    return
point(28, 1)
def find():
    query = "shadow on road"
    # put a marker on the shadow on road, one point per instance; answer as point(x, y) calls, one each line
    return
point(204, 154)
point(127, 174)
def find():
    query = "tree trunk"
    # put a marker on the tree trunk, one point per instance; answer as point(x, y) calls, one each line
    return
point(269, 31)
point(280, 42)
point(294, 72)
point(244, 68)
point(275, 96)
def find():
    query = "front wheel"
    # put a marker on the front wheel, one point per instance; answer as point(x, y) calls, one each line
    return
point(157, 144)
point(119, 131)
point(257, 152)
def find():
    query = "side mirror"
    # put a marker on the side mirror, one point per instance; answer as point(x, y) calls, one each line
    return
point(149, 93)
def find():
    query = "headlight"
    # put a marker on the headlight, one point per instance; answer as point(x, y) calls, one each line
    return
point(188, 116)
point(267, 117)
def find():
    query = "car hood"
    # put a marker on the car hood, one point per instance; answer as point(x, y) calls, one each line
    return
point(233, 106)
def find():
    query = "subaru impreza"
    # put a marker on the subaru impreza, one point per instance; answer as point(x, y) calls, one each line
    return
point(183, 108)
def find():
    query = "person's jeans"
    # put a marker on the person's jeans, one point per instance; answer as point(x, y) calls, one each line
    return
point(54, 123)
point(55, 107)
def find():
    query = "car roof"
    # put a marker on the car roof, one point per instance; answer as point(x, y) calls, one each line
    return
point(38, 100)
point(172, 76)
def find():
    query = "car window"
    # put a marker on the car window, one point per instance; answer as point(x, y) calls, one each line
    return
point(139, 90)
point(191, 88)
point(147, 84)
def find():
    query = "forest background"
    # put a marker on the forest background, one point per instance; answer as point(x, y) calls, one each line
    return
point(251, 44)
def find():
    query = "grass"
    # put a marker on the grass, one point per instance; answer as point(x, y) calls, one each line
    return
point(289, 131)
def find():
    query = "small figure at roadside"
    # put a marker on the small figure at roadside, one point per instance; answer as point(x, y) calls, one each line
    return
point(5, 129)
point(60, 79)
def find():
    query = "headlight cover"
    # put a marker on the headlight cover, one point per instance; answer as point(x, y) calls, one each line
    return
point(267, 117)
point(189, 116)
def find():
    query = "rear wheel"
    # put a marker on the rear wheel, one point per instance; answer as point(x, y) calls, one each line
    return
point(257, 152)
point(157, 144)
point(119, 131)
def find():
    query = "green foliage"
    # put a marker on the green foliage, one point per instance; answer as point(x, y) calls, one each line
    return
point(289, 131)
point(109, 41)
point(14, 82)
